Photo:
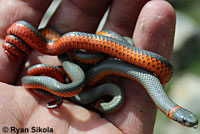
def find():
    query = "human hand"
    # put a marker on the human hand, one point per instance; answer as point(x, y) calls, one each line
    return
point(153, 31)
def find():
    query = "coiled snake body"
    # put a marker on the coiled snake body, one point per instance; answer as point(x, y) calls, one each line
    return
point(151, 70)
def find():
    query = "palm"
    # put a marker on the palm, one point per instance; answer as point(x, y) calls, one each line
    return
point(22, 108)
point(29, 110)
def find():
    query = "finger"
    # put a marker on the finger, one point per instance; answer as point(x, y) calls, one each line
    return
point(155, 28)
point(155, 25)
point(11, 11)
point(81, 15)
point(123, 16)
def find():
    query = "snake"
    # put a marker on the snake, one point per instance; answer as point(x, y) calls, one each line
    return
point(74, 72)
point(149, 69)
point(30, 36)
point(53, 79)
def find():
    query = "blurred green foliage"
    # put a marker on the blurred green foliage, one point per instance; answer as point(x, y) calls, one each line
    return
point(189, 7)
point(187, 59)
point(182, 4)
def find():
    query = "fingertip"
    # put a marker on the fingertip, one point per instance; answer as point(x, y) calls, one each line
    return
point(162, 8)
point(155, 28)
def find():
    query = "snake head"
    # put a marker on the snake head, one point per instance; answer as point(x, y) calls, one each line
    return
point(185, 118)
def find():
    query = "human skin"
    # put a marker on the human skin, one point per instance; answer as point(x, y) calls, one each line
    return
point(151, 24)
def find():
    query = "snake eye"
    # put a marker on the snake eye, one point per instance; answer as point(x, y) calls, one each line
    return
point(184, 120)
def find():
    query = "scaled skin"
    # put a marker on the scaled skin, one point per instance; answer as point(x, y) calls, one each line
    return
point(153, 30)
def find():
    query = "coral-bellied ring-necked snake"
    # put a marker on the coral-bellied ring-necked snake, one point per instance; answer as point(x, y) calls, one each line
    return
point(150, 70)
